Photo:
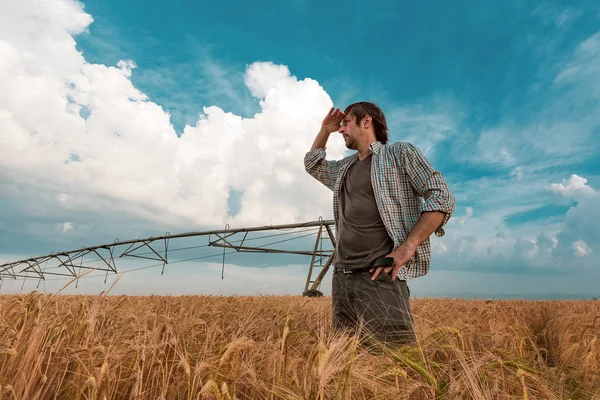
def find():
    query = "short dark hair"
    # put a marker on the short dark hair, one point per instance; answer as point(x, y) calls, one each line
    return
point(363, 108)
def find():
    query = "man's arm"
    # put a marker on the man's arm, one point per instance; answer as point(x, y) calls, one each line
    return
point(321, 139)
point(315, 164)
point(437, 210)
point(428, 183)
point(426, 225)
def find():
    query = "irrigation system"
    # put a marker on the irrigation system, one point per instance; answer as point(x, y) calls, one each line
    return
point(161, 251)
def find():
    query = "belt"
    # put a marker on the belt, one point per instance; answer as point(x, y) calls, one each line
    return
point(380, 262)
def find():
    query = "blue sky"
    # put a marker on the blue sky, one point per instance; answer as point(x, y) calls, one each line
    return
point(501, 96)
point(488, 57)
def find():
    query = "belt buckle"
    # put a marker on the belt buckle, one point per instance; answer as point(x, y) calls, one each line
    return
point(346, 271)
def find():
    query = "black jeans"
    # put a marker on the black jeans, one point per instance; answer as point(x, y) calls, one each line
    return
point(380, 307)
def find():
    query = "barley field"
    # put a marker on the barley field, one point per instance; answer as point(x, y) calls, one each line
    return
point(209, 347)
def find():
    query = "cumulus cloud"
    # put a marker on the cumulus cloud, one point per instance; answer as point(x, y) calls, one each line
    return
point(575, 188)
point(570, 244)
point(581, 249)
point(579, 237)
point(98, 142)
point(552, 245)
point(264, 77)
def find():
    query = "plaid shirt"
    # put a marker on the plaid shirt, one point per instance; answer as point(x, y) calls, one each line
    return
point(404, 184)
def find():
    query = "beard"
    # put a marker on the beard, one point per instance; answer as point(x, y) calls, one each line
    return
point(349, 143)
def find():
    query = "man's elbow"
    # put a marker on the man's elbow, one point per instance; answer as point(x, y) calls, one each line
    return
point(443, 202)
point(448, 206)
point(440, 201)
point(309, 163)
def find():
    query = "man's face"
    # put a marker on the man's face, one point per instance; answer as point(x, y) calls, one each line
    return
point(350, 131)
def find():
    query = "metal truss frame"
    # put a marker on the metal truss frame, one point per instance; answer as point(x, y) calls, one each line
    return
point(69, 264)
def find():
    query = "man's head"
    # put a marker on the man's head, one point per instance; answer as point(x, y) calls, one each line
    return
point(363, 122)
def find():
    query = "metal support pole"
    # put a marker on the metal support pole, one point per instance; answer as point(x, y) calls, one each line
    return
point(312, 261)
point(317, 282)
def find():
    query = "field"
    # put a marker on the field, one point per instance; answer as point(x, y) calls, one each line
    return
point(206, 347)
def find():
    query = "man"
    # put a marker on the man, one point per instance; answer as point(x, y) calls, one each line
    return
point(387, 201)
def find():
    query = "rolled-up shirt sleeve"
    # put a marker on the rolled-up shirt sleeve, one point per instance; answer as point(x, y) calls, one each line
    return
point(428, 183)
point(321, 169)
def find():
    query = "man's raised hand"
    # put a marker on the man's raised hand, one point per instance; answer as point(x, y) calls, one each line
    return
point(333, 119)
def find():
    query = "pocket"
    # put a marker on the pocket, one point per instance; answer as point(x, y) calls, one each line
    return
point(386, 282)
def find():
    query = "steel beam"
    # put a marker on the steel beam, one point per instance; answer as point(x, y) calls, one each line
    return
point(267, 250)
point(67, 260)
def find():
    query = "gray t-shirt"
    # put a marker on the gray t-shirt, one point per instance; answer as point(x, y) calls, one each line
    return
point(362, 237)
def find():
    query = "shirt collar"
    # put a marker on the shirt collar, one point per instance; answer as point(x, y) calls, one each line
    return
point(375, 147)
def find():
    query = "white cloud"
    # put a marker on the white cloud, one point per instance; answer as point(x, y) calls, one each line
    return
point(575, 187)
point(579, 236)
point(126, 155)
point(263, 78)
point(580, 248)
point(464, 218)
point(67, 226)
point(568, 242)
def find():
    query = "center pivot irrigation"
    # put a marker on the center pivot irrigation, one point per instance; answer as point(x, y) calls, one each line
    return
point(291, 239)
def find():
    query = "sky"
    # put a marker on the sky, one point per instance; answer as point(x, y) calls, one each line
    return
point(131, 119)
